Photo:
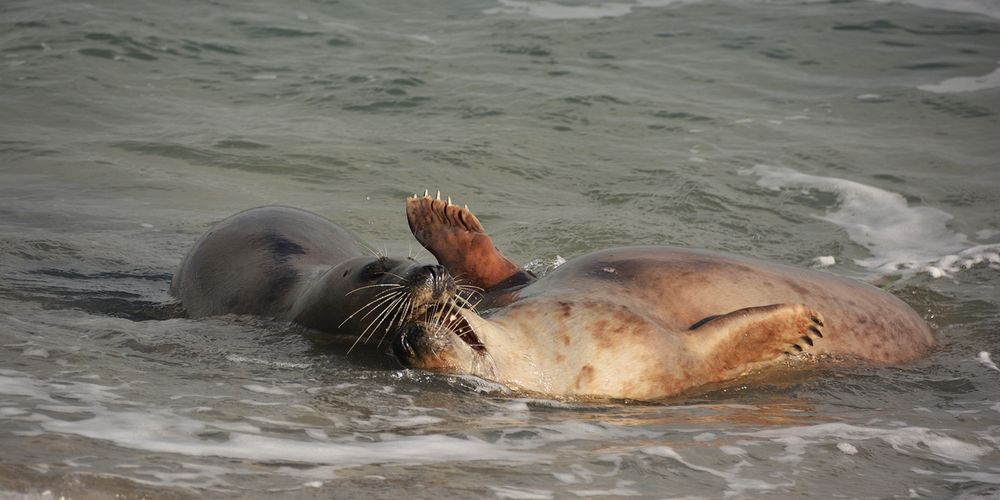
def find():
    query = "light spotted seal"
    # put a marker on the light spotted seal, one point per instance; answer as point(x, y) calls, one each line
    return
point(640, 322)
point(290, 264)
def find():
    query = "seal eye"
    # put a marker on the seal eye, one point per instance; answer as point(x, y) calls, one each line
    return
point(373, 269)
point(346, 273)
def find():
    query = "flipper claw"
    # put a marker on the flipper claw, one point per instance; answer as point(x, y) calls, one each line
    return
point(457, 239)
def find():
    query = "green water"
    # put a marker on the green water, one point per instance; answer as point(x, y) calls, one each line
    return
point(130, 127)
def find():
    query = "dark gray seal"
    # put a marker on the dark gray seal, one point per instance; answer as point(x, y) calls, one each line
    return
point(290, 264)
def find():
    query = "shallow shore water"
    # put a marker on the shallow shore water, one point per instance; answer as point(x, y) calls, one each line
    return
point(856, 137)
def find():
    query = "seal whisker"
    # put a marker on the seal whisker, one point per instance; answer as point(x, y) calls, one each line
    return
point(464, 284)
point(402, 311)
point(382, 310)
point(385, 294)
point(462, 302)
point(394, 275)
point(377, 320)
point(372, 304)
point(372, 327)
point(434, 320)
point(376, 301)
point(368, 248)
point(377, 285)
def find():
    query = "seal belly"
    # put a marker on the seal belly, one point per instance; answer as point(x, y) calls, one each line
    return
point(683, 287)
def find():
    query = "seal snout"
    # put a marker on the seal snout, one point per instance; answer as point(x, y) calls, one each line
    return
point(402, 344)
point(435, 282)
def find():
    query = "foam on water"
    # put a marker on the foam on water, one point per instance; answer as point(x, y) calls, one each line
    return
point(235, 358)
point(541, 267)
point(260, 389)
point(104, 210)
point(167, 432)
point(735, 482)
point(109, 417)
point(965, 84)
point(552, 10)
point(984, 358)
point(900, 237)
point(906, 440)
point(521, 493)
point(989, 8)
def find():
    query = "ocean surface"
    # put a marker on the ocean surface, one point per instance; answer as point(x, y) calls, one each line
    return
point(860, 137)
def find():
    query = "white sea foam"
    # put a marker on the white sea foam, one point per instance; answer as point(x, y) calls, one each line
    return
point(984, 358)
point(825, 260)
point(36, 352)
point(169, 431)
point(989, 8)
point(704, 436)
point(235, 358)
point(15, 383)
point(164, 432)
point(847, 448)
point(521, 493)
point(985, 234)
point(965, 84)
point(553, 10)
point(735, 483)
point(900, 237)
point(541, 267)
point(595, 10)
point(622, 489)
point(906, 440)
point(261, 389)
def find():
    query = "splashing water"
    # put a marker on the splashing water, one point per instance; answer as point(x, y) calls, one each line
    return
point(900, 237)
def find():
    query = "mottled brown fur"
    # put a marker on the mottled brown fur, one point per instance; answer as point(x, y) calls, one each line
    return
point(650, 322)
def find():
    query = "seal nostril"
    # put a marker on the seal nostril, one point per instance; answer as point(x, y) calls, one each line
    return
point(438, 279)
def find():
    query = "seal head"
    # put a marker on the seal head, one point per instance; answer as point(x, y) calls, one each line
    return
point(366, 296)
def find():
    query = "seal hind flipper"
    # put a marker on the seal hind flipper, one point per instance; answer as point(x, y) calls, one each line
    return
point(457, 239)
point(732, 343)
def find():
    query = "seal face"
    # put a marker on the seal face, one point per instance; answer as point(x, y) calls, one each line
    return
point(641, 322)
point(364, 296)
point(290, 264)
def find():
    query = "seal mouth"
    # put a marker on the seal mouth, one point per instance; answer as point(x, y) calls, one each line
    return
point(448, 317)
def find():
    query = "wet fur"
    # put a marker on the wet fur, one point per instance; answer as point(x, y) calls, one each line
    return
point(650, 322)
point(293, 265)
point(257, 261)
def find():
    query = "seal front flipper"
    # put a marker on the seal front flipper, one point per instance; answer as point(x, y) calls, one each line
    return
point(731, 344)
point(457, 239)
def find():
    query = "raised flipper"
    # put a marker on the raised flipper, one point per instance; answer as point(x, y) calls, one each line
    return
point(457, 239)
point(730, 344)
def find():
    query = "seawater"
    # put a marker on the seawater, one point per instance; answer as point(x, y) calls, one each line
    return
point(855, 137)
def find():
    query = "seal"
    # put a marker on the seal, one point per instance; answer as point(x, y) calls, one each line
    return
point(293, 265)
point(641, 322)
